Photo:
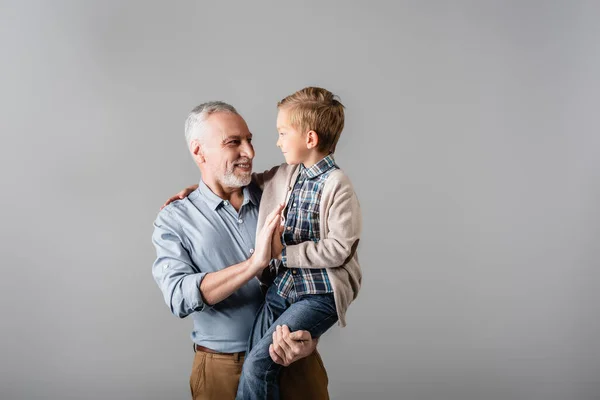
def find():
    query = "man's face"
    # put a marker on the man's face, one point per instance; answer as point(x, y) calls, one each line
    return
point(291, 141)
point(227, 150)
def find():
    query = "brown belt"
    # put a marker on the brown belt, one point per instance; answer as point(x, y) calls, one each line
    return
point(203, 349)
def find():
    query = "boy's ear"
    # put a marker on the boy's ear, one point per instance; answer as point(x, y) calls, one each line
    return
point(312, 139)
point(196, 149)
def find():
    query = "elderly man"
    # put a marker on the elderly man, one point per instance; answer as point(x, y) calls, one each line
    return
point(208, 263)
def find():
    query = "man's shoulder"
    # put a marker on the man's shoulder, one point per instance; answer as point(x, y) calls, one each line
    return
point(178, 210)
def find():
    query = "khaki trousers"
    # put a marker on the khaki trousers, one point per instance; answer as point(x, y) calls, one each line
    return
point(216, 376)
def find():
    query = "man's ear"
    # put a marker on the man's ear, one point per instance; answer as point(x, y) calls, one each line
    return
point(196, 150)
point(312, 139)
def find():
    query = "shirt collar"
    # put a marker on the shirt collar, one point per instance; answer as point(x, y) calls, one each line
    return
point(214, 201)
point(251, 194)
point(319, 168)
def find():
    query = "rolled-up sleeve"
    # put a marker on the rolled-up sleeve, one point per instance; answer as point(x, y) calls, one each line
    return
point(174, 272)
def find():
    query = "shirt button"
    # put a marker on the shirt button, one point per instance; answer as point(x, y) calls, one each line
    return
point(226, 202)
point(251, 251)
point(294, 272)
point(289, 228)
point(240, 221)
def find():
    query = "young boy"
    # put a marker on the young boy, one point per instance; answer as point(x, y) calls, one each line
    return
point(317, 270)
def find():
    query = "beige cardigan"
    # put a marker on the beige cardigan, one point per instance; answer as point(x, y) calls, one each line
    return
point(340, 226)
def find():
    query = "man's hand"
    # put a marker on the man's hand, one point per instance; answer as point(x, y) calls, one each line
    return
point(288, 347)
point(262, 251)
point(181, 195)
point(276, 245)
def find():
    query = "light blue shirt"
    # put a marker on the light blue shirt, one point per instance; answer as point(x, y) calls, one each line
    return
point(197, 235)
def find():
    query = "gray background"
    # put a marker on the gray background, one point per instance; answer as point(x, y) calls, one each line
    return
point(472, 138)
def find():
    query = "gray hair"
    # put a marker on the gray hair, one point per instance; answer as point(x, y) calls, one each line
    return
point(195, 119)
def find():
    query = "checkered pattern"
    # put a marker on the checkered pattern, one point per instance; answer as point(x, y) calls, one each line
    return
point(302, 224)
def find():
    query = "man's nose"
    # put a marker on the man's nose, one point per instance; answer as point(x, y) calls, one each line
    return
point(248, 150)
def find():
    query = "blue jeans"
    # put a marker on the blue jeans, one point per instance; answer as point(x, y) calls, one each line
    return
point(260, 374)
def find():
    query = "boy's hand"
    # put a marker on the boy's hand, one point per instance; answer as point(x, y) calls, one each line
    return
point(288, 347)
point(181, 195)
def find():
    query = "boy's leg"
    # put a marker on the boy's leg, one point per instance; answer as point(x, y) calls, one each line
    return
point(272, 308)
point(260, 375)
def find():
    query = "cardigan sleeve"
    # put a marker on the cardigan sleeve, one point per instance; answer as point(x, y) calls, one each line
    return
point(340, 238)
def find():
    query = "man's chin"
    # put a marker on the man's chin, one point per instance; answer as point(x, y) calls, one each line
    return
point(246, 181)
point(244, 175)
point(237, 180)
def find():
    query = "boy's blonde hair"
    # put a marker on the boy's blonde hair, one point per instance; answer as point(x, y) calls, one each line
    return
point(319, 110)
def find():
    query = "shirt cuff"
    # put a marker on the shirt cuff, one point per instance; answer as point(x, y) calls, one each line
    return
point(190, 287)
point(266, 277)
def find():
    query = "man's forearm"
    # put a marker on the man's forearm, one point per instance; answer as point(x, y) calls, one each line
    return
point(217, 286)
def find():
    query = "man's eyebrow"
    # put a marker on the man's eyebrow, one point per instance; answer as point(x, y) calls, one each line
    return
point(235, 137)
point(230, 137)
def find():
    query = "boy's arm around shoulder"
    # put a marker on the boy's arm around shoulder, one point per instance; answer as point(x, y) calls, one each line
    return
point(261, 178)
point(344, 224)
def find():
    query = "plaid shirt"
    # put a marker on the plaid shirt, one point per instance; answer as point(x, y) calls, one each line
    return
point(302, 224)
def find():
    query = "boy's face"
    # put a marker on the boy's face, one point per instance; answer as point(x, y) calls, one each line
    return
point(291, 141)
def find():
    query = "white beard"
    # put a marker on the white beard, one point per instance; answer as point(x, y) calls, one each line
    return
point(230, 179)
